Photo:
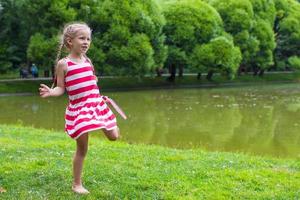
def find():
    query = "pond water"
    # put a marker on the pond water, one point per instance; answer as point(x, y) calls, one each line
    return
point(259, 120)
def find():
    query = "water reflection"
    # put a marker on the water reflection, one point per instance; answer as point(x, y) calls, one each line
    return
point(257, 120)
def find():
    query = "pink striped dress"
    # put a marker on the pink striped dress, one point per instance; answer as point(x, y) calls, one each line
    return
point(87, 109)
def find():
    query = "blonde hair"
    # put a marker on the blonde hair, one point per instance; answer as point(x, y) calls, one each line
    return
point(69, 32)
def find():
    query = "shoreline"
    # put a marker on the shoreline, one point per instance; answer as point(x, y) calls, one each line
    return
point(178, 86)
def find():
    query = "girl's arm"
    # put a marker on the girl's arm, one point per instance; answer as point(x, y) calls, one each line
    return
point(45, 91)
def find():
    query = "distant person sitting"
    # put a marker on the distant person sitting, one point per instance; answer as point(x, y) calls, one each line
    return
point(23, 72)
point(34, 71)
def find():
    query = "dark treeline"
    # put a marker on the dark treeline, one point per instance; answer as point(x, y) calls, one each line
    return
point(135, 37)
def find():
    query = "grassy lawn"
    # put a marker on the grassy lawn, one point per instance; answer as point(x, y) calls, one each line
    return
point(36, 164)
point(126, 83)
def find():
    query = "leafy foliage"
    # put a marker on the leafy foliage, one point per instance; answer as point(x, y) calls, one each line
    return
point(134, 37)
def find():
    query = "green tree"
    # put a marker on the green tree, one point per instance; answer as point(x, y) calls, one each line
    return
point(263, 31)
point(264, 9)
point(5, 62)
point(264, 57)
point(43, 32)
point(239, 21)
point(287, 30)
point(250, 22)
point(49, 16)
point(129, 34)
point(11, 34)
point(219, 55)
point(42, 51)
point(22, 19)
point(189, 23)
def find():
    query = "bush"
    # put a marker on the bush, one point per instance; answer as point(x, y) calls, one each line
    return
point(294, 62)
point(219, 55)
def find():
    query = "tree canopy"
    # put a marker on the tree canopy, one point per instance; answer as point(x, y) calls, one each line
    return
point(135, 37)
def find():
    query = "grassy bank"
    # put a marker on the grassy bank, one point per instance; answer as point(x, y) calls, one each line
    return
point(36, 164)
point(127, 83)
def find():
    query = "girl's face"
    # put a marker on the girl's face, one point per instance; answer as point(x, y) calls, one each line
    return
point(81, 42)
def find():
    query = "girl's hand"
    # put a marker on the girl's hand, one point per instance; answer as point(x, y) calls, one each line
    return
point(45, 91)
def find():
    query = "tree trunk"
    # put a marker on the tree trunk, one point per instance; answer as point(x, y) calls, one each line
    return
point(239, 73)
point(199, 76)
point(173, 73)
point(241, 69)
point(261, 72)
point(209, 75)
point(255, 70)
point(53, 71)
point(180, 71)
point(246, 70)
point(158, 71)
point(46, 73)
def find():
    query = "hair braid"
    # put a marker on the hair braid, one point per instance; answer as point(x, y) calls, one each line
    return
point(60, 47)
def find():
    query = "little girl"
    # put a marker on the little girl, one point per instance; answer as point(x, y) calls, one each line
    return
point(87, 109)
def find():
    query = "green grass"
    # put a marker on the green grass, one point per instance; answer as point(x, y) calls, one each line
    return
point(37, 164)
point(127, 83)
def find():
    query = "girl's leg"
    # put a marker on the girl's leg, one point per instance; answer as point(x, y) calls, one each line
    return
point(81, 150)
point(112, 134)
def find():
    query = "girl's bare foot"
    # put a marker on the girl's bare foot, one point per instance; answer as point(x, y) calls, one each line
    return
point(80, 189)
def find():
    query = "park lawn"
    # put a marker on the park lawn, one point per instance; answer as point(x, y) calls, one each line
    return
point(37, 163)
point(128, 83)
